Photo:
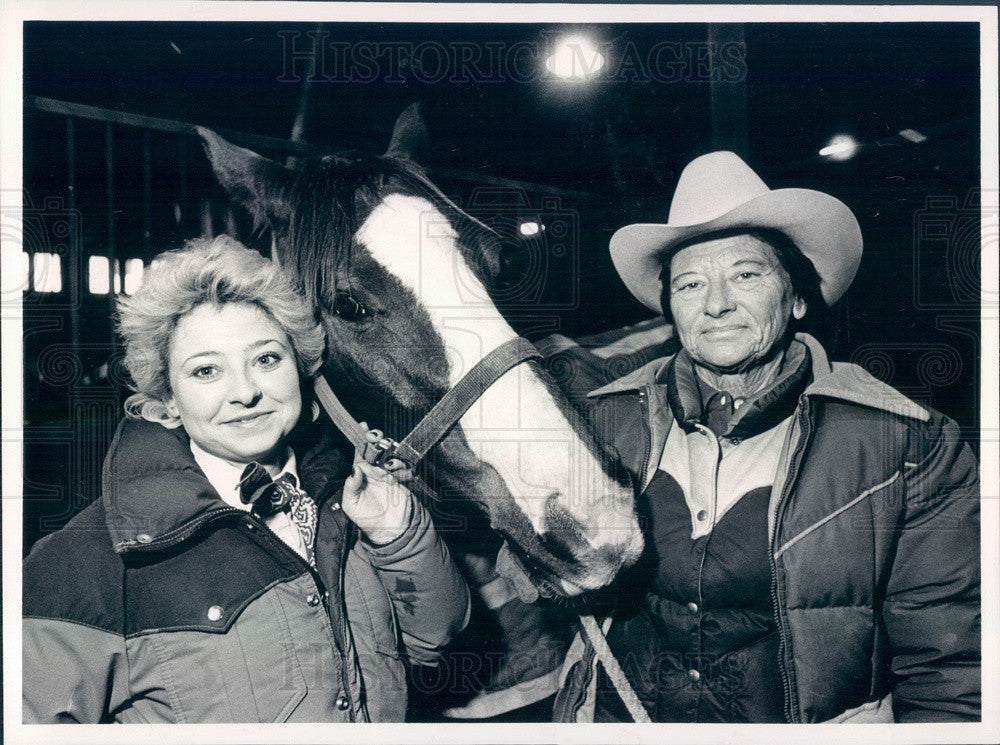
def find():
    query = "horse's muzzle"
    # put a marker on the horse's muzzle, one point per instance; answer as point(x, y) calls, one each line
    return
point(590, 559)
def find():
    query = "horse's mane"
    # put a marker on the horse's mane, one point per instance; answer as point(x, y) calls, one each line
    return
point(332, 196)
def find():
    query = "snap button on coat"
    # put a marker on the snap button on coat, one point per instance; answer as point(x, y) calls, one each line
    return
point(223, 604)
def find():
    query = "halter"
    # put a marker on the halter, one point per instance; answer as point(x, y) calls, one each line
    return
point(429, 431)
point(442, 416)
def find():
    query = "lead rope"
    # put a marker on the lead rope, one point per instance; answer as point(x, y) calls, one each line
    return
point(607, 658)
point(426, 434)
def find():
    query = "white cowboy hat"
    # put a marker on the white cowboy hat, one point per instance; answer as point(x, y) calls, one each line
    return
point(718, 191)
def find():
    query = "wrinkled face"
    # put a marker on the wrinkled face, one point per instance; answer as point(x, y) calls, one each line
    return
point(234, 382)
point(731, 301)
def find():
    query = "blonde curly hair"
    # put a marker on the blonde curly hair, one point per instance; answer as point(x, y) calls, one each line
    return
point(216, 271)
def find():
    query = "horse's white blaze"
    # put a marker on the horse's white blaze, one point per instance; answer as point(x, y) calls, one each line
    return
point(516, 426)
point(414, 242)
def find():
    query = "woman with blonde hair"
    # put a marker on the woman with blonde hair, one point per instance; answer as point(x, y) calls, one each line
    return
point(230, 572)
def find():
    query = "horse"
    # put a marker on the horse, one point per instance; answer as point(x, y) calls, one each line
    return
point(527, 500)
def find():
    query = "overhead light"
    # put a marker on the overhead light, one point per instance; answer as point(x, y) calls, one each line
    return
point(575, 58)
point(912, 135)
point(840, 147)
point(530, 228)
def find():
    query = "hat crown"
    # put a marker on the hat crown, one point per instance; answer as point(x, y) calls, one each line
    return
point(711, 186)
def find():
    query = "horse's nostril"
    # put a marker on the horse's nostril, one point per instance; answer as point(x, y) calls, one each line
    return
point(563, 535)
point(598, 552)
point(560, 548)
point(558, 518)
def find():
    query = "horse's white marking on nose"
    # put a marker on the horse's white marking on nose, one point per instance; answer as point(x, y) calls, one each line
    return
point(516, 426)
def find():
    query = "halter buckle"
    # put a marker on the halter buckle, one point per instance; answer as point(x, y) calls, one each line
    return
point(377, 453)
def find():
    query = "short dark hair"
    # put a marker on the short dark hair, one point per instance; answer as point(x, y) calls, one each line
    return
point(803, 275)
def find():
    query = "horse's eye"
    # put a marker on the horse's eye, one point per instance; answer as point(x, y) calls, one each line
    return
point(514, 265)
point(348, 308)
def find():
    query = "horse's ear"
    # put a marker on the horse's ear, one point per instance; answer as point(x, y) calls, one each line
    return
point(252, 180)
point(409, 135)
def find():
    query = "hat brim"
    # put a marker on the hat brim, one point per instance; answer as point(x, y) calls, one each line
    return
point(822, 227)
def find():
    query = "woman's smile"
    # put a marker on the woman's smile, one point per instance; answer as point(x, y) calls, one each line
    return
point(729, 330)
point(249, 420)
point(731, 301)
point(234, 381)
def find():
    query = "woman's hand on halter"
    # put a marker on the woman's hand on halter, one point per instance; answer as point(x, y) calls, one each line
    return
point(375, 500)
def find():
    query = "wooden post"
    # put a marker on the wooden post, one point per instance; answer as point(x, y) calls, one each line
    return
point(74, 258)
point(728, 95)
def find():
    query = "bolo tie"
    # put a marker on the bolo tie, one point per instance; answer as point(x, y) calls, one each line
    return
point(268, 497)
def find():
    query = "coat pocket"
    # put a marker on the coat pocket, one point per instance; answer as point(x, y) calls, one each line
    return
point(249, 672)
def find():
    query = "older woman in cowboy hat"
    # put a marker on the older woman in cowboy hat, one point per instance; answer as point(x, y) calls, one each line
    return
point(812, 534)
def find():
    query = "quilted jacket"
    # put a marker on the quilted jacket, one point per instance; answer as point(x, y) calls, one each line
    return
point(160, 603)
point(873, 529)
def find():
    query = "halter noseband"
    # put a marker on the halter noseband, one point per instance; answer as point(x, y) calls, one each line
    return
point(442, 416)
point(428, 432)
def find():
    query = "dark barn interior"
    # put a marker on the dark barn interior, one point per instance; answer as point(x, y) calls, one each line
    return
point(113, 174)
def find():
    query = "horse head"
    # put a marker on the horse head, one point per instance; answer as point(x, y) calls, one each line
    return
point(400, 278)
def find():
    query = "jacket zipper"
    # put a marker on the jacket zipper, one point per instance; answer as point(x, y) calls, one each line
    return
point(324, 494)
point(648, 448)
point(179, 535)
point(349, 538)
point(793, 472)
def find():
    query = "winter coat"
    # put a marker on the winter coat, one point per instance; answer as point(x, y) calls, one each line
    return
point(873, 529)
point(160, 603)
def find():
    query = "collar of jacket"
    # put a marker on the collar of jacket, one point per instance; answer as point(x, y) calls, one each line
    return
point(155, 494)
point(759, 413)
point(839, 380)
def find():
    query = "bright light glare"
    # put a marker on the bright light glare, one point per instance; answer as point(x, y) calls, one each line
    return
point(575, 58)
point(841, 147)
point(97, 276)
point(48, 273)
point(912, 135)
point(529, 229)
point(133, 275)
